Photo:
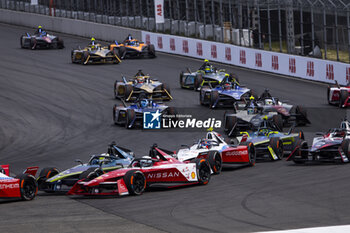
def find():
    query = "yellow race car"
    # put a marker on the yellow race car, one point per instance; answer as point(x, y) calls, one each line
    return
point(141, 84)
point(94, 54)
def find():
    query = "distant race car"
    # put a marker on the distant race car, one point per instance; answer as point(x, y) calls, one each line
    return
point(207, 74)
point(333, 146)
point(94, 54)
point(23, 186)
point(51, 180)
point(226, 94)
point(338, 95)
point(131, 47)
point(141, 84)
point(269, 142)
point(289, 113)
point(158, 169)
point(131, 115)
point(217, 152)
point(42, 41)
point(249, 119)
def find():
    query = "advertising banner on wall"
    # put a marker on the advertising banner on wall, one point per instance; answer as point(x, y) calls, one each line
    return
point(278, 63)
point(159, 11)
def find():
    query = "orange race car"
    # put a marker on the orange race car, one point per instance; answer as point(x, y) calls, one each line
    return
point(131, 47)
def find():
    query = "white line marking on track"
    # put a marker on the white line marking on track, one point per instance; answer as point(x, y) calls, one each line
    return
point(331, 229)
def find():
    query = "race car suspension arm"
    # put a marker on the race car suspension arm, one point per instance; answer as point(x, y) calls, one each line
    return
point(168, 94)
point(132, 91)
point(118, 58)
point(87, 60)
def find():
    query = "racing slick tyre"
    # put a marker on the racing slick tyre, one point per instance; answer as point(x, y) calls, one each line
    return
point(28, 186)
point(21, 42)
point(215, 161)
point(127, 91)
point(116, 91)
point(203, 171)
point(72, 56)
point(182, 79)
point(46, 173)
point(202, 95)
point(230, 125)
point(60, 44)
point(151, 51)
point(135, 182)
point(277, 146)
point(278, 122)
point(214, 97)
point(251, 152)
point(343, 95)
point(130, 118)
point(300, 156)
point(328, 95)
point(114, 112)
point(345, 146)
point(32, 43)
point(122, 52)
point(116, 57)
point(301, 115)
point(91, 173)
point(84, 57)
point(198, 81)
point(300, 134)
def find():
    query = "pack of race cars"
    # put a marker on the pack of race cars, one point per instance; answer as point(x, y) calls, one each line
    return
point(254, 126)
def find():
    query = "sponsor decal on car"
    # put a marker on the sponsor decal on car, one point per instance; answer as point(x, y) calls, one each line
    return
point(9, 186)
point(160, 175)
point(237, 153)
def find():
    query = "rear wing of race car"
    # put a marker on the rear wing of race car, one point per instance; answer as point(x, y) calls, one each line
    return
point(6, 169)
point(31, 171)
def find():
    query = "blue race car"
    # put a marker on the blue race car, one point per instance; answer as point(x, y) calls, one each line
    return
point(131, 116)
point(226, 94)
point(269, 142)
point(51, 180)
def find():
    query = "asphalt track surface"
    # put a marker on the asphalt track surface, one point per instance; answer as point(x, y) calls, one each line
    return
point(52, 112)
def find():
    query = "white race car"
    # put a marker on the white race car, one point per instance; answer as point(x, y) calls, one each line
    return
point(214, 148)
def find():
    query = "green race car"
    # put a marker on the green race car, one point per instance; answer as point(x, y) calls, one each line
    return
point(51, 180)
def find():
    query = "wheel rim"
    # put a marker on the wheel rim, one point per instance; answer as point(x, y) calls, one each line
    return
point(251, 156)
point(204, 173)
point(29, 190)
point(139, 183)
point(280, 150)
point(217, 162)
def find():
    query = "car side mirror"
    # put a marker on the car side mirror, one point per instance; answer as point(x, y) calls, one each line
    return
point(79, 161)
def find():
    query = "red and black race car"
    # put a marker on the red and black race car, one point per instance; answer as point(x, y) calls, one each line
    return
point(158, 169)
point(24, 186)
point(338, 95)
point(333, 146)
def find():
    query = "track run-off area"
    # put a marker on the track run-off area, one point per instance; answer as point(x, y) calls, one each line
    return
point(53, 112)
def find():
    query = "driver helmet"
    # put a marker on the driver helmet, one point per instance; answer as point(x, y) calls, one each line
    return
point(227, 86)
point(131, 42)
point(205, 144)
point(144, 103)
point(268, 102)
point(140, 79)
point(92, 42)
point(208, 69)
